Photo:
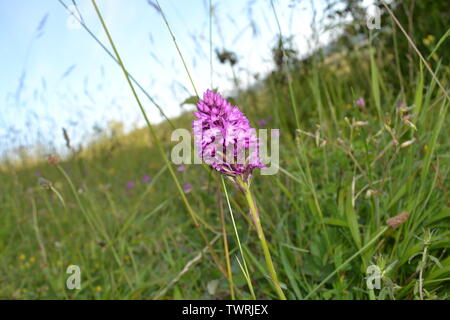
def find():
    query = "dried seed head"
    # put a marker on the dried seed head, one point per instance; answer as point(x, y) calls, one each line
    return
point(403, 108)
point(44, 183)
point(410, 124)
point(407, 143)
point(397, 221)
point(360, 123)
point(371, 193)
point(53, 159)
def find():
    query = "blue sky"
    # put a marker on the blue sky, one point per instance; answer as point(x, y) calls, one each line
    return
point(66, 80)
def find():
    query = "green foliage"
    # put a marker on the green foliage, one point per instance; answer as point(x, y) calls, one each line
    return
point(344, 172)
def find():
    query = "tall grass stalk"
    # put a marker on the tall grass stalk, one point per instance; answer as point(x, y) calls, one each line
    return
point(178, 49)
point(244, 263)
point(80, 20)
point(191, 212)
point(226, 247)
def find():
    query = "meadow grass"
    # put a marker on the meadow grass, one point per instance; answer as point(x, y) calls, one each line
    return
point(345, 169)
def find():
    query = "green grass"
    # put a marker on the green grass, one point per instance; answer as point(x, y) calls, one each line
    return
point(324, 214)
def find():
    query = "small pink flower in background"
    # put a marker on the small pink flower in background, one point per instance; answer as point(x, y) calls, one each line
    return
point(264, 122)
point(146, 179)
point(38, 174)
point(181, 168)
point(130, 185)
point(361, 102)
point(187, 187)
point(397, 221)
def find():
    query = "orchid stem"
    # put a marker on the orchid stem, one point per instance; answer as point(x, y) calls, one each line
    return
point(262, 239)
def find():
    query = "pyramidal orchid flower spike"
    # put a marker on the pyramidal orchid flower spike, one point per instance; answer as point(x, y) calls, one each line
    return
point(224, 138)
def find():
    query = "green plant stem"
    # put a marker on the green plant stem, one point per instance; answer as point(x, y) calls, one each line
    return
point(244, 268)
point(178, 48)
point(38, 233)
point(225, 247)
point(262, 240)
